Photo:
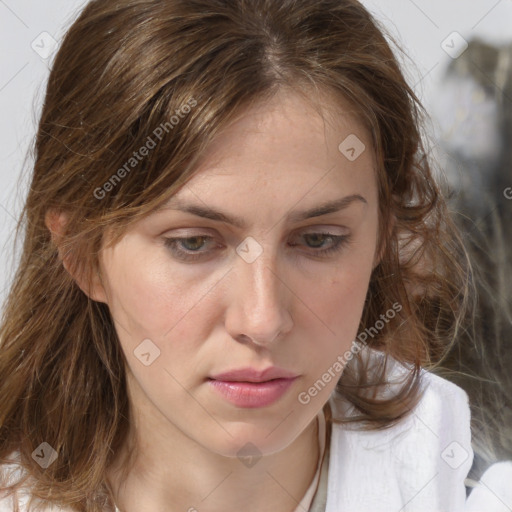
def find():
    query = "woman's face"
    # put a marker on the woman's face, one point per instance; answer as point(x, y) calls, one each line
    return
point(282, 285)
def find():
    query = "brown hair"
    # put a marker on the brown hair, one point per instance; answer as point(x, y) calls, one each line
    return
point(124, 68)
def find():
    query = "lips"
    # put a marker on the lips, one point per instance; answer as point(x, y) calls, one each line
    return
point(253, 375)
point(251, 388)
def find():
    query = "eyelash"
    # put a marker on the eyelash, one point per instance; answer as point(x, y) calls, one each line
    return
point(339, 243)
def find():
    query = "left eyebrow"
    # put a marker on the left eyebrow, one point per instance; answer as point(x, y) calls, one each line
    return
point(294, 216)
point(325, 208)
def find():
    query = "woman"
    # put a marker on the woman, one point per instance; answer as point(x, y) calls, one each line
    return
point(222, 299)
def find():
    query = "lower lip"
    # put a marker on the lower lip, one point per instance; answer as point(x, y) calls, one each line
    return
point(252, 394)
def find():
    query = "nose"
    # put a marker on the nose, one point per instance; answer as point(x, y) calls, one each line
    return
point(260, 301)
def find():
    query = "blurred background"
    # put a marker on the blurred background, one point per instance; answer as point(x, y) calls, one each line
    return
point(458, 59)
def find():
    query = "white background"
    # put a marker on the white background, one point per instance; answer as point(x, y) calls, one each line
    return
point(420, 26)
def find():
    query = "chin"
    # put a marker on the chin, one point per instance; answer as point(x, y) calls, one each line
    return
point(253, 440)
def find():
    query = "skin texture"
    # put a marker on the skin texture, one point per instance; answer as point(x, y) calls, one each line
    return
point(290, 307)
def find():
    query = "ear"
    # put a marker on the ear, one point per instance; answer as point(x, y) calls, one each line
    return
point(93, 287)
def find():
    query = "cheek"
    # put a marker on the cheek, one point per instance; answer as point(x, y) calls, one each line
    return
point(147, 296)
point(342, 302)
point(164, 302)
point(338, 303)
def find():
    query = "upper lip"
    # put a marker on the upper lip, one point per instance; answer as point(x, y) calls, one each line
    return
point(253, 375)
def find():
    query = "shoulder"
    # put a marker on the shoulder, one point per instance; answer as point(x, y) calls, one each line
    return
point(440, 400)
point(419, 464)
point(10, 473)
point(493, 493)
point(445, 406)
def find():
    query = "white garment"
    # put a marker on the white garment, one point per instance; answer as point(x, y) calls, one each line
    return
point(305, 503)
point(494, 491)
point(418, 465)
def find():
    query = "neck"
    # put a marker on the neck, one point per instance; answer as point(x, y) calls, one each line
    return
point(199, 480)
point(171, 472)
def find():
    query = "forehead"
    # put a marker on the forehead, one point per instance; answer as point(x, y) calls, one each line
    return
point(289, 120)
point(283, 163)
point(289, 139)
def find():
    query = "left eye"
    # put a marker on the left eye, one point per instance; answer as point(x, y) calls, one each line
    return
point(189, 248)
